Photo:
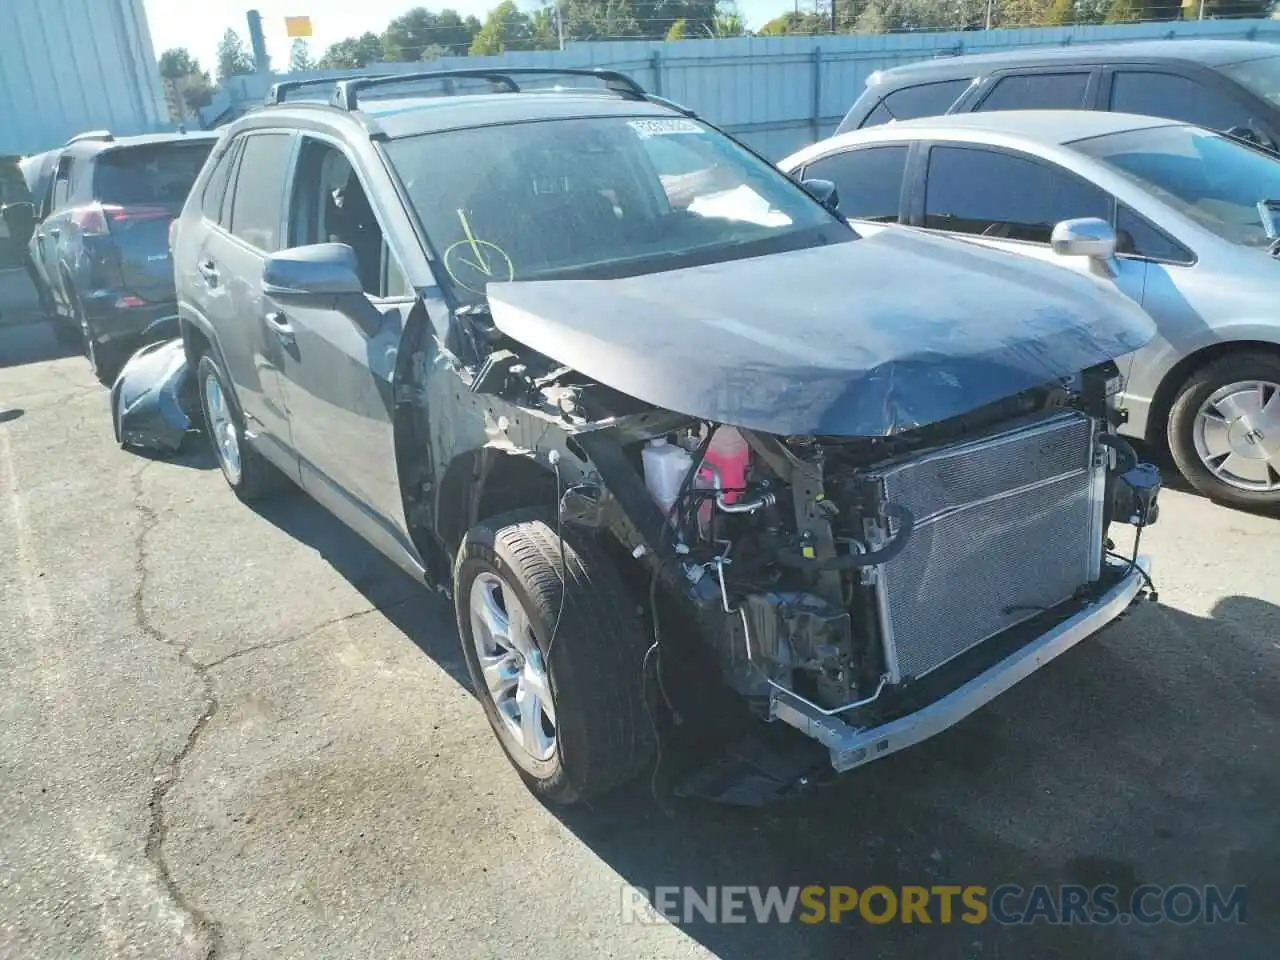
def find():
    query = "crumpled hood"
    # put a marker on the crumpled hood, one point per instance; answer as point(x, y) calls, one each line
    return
point(865, 338)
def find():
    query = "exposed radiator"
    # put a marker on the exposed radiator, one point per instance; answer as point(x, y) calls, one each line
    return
point(1006, 526)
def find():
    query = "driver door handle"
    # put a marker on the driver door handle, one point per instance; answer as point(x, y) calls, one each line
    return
point(279, 325)
point(209, 271)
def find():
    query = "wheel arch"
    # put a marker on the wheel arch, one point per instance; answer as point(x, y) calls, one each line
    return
point(485, 482)
point(1167, 391)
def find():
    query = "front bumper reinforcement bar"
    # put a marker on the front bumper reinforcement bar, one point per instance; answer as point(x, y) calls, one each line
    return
point(852, 746)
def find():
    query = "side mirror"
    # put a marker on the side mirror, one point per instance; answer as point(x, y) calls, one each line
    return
point(824, 191)
point(1086, 237)
point(20, 218)
point(321, 269)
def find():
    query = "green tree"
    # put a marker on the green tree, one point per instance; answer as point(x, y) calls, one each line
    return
point(409, 35)
point(434, 51)
point(197, 91)
point(455, 32)
point(604, 20)
point(505, 28)
point(793, 23)
point(1061, 13)
point(233, 59)
point(300, 59)
point(1123, 11)
point(353, 52)
point(677, 31)
point(178, 63)
point(1022, 13)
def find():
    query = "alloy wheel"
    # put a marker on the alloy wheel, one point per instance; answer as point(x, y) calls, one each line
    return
point(515, 673)
point(222, 428)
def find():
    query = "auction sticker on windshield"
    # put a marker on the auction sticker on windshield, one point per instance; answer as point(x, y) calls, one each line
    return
point(663, 126)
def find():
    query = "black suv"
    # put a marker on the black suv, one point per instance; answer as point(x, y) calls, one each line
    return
point(1227, 85)
point(101, 246)
point(649, 410)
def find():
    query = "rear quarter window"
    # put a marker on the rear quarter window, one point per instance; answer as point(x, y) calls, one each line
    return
point(923, 100)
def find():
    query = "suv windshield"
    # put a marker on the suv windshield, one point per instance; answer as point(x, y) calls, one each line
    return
point(1215, 180)
point(1261, 76)
point(157, 173)
point(597, 197)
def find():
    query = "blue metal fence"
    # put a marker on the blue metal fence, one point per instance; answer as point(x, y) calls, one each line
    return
point(779, 93)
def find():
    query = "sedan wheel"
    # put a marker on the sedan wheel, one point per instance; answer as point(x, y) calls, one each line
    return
point(1224, 429)
point(514, 672)
point(1237, 435)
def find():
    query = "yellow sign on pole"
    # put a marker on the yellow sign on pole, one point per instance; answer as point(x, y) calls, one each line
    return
point(297, 26)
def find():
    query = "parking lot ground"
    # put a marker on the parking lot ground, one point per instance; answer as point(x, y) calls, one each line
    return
point(236, 732)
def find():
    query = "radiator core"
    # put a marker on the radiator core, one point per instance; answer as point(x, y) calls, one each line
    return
point(1007, 525)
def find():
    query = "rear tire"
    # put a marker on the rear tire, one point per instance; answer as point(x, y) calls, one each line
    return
point(105, 359)
point(1196, 444)
point(602, 735)
point(251, 475)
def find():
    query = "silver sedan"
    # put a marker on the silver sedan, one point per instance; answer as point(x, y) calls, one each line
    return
point(1184, 221)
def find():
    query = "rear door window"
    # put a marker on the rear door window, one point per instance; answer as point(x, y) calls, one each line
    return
point(160, 173)
point(1038, 91)
point(1003, 196)
point(869, 180)
point(215, 188)
point(923, 100)
point(257, 205)
point(1174, 97)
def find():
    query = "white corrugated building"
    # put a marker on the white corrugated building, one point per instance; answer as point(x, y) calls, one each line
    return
point(67, 66)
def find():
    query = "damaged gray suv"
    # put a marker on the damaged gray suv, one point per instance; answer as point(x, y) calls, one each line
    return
point(658, 420)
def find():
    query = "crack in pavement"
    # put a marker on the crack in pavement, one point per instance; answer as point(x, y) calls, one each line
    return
point(306, 634)
point(162, 784)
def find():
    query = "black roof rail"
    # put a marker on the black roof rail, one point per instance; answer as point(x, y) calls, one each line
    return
point(347, 94)
point(278, 91)
point(98, 135)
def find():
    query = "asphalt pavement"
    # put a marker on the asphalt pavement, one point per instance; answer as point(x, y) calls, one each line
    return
point(234, 732)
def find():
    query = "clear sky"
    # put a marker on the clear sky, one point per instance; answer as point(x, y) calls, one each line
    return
point(198, 25)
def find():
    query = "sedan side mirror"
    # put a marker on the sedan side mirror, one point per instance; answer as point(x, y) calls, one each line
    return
point(20, 218)
point(1086, 237)
point(824, 191)
point(320, 269)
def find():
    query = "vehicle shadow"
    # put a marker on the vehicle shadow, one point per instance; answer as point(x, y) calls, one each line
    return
point(1145, 755)
point(423, 615)
point(1109, 766)
point(1172, 479)
point(31, 342)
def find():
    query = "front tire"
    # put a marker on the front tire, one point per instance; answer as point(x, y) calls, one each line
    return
point(251, 475)
point(1224, 430)
point(571, 717)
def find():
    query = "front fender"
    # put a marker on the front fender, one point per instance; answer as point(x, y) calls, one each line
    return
point(1160, 366)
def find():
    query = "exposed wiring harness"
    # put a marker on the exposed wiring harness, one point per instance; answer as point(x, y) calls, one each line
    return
point(852, 560)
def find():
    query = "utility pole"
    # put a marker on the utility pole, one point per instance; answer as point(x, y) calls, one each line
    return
point(991, 3)
point(560, 23)
point(833, 15)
